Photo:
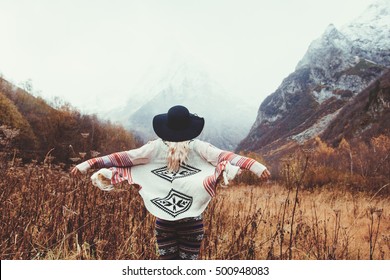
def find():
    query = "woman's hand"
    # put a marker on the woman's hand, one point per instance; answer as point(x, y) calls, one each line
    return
point(265, 175)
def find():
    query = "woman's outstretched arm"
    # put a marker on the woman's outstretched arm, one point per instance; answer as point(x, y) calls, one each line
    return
point(129, 158)
point(215, 156)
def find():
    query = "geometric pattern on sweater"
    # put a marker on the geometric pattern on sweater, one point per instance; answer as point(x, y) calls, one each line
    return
point(174, 203)
point(135, 167)
point(184, 171)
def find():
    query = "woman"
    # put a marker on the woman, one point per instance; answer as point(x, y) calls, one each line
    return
point(177, 175)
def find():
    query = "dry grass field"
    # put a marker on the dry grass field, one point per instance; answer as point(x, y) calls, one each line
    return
point(46, 214)
point(260, 222)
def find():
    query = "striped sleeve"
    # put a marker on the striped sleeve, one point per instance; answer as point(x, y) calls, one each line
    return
point(129, 158)
point(119, 159)
point(120, 174)
point(243, 162)
point(215, 156)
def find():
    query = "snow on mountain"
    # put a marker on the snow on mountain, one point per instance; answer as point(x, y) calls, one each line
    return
point(370, 32)
point(335, 69)
point(181, 79)
point(332, 46)
point(158, 76)
point(366, 37)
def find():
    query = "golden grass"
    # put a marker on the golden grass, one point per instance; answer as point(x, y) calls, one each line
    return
point(254, 222)
point(46, 214)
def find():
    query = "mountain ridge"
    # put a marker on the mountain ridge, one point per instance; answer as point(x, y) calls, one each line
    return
point(335, 69)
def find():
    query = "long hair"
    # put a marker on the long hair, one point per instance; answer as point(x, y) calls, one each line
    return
point(177, 154)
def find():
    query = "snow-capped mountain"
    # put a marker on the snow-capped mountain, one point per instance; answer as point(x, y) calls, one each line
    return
point(370, 32)
point(335, 69)
point(181, 80)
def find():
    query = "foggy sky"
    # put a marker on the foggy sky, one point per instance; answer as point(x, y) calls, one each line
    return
point(92, 53)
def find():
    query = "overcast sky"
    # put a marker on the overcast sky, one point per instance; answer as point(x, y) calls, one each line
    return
point(92, 53)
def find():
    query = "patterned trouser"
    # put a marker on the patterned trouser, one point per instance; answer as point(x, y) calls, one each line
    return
point(179, 240)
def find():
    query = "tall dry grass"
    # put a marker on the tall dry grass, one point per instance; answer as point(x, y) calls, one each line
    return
point(256, 222)
point(46, 214)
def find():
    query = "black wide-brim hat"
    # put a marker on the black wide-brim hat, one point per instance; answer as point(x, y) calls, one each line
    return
point(178, 125)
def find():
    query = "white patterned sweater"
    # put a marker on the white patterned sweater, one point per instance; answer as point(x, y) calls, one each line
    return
point(173, 196)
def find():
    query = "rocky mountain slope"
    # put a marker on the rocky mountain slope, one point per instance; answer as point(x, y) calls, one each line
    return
point(367, 116)
point(334, 70)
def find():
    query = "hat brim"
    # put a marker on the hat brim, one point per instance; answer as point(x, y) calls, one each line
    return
point(160, 127)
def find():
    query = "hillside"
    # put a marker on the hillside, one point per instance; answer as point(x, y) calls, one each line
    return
point(336, 68)
point(367, 116)
point(43, 128)
point(11, 117)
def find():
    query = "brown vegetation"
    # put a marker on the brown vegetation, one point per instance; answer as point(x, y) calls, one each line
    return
point(355, 165)
point(46, 214)
point(43, 128)
point(327, 202)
